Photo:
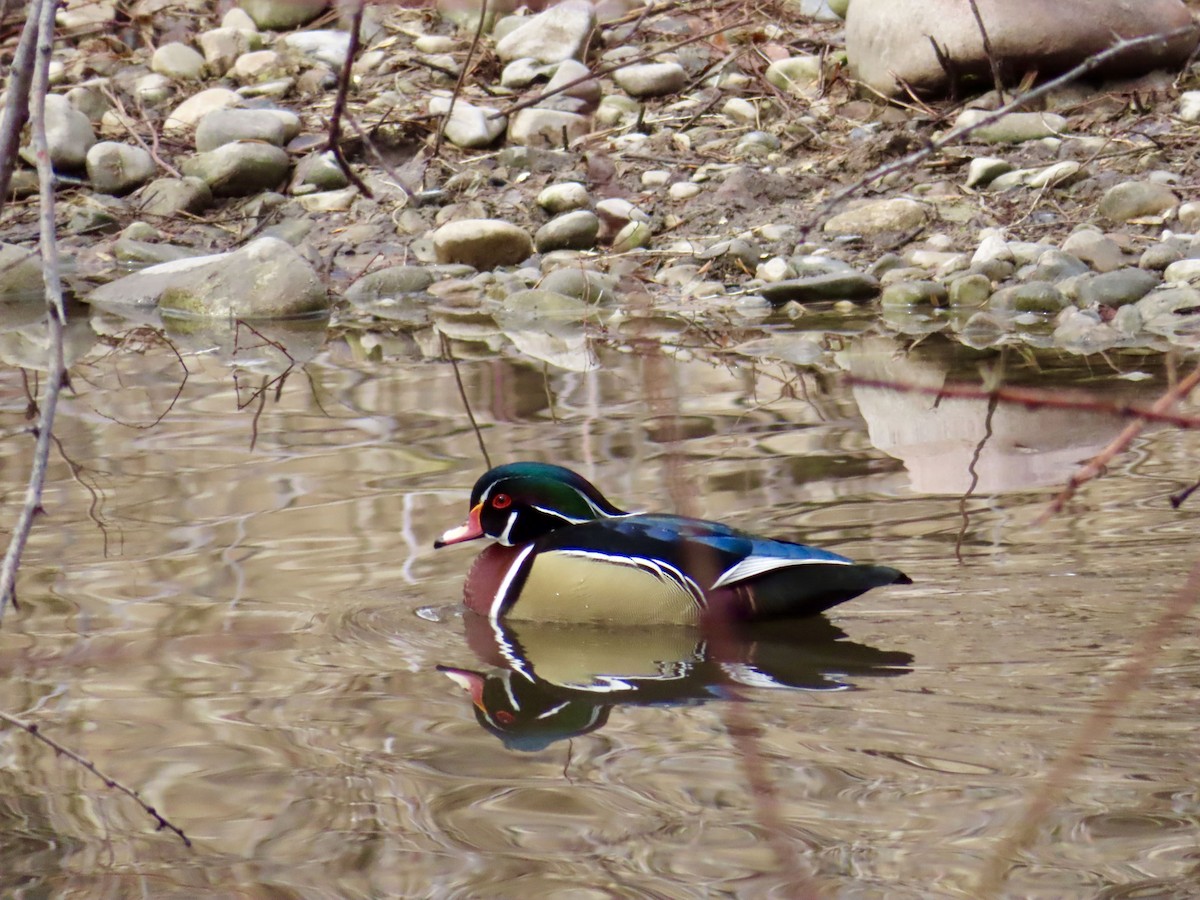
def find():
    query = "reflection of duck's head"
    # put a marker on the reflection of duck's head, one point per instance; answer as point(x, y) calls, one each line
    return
point(575, 557)
point(522, 501)
point(522, 714)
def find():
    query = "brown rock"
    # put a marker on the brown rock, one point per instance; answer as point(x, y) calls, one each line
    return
point(888, 41)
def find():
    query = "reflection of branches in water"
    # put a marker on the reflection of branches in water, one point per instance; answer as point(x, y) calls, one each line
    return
point(1178, 499)
point(34, 731)
point(139, 340)
point(462, 393)
point(259, 393)
point(973, 471)
point(1176, 394)
point(1099, 722)
point(78, 472)
point(1033, 398)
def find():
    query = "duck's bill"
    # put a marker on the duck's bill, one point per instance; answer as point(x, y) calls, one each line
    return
point(467, 531)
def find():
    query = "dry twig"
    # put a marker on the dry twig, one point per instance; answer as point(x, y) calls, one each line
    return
point(34, 731)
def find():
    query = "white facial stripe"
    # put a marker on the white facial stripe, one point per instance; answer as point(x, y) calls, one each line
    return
point(558, 514)
point(504, 536)
point(506, 584)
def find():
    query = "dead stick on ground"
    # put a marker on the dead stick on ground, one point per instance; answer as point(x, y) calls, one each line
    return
point(34, 731)
point(957, 134)
point(55, 312)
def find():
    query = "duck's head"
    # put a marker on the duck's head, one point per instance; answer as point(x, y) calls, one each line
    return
point(522, 501)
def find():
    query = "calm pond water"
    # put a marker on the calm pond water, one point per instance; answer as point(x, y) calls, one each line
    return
point(233, 606)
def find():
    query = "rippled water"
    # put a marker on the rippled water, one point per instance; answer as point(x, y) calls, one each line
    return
point(233, 606)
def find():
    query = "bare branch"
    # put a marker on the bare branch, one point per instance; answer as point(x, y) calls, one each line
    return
point(34, 731)
point(1096, 464)
point(16, 106)
point(56, 317)
point(1033, 398)
point(1098, 723)
point(339, 104)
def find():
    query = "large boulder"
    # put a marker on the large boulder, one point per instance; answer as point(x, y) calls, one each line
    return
point(890, 42)
point(265, 279)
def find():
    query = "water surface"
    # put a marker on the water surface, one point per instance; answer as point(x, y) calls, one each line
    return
point(233, 606)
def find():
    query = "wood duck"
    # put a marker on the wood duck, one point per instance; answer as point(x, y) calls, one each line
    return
point(566, 554)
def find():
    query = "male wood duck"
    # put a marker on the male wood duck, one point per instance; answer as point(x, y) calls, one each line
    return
point(566, 554)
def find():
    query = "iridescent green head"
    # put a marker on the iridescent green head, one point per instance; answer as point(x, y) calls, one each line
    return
point(520, 502)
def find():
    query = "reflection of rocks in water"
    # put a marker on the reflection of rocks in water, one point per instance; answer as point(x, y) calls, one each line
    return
point(24, 336)
point(547, 682)
point(268, 347)
point(937, 438)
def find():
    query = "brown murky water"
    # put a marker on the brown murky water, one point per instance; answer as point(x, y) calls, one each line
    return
point(236, 609)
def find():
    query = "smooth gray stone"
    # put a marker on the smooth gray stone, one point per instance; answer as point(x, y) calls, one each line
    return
point(1118, 288)
point(118, 168)
point(830, 286)
point(914, 293)
point(240, 168)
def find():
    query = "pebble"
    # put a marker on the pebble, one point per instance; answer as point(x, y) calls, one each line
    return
point(222, 47)
point(185, 116)
point(388, 283)
point(879, 216)
point(482, 243)
point(574, 230)
point(651, 79)
point(1119, 287)
point(171, 196)
point(1098, 250)
point(1014, 128)
point(795, 74)
point(69, 136)
point(224, 126)
point(558, 33)
point(1030, 297)
point(583, 284)
point(469, 126)
point(1136, 199)
point(176, 60)
point(239, 169)
point(969, 291)
point(115, 168)
point(22, 279)
point(536, 127)
point(280, 15)
point(1185, 271)
point(1189, 106)
point(634, 235)
point(563, 197)
point(983, 170)
point(683, 190)
point(828, 286)
point(914, 293)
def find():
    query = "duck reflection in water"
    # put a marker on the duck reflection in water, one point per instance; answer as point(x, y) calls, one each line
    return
point(582, 605)
point(546, 682)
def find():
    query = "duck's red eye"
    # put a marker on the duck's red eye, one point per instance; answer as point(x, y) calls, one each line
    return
point(501, 501)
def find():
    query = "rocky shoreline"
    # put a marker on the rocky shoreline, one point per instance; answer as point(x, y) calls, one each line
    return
point(678, 171)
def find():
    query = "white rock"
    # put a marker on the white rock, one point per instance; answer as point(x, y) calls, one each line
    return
point(468, 125)
point(561, 32)
point(196, 107)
